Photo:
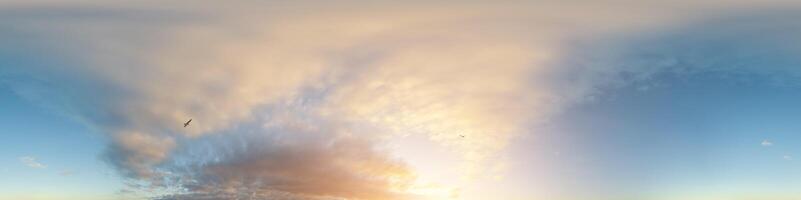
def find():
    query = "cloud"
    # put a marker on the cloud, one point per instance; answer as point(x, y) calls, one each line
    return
point(332, 83)
point(288, 160)
point(142, 89)
point(787, 157)
point(721, 46)
point(67, 173)
point(138, 152)
point(32, 162)
point(766, 143)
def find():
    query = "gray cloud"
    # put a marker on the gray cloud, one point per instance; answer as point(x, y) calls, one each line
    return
point(295, 158)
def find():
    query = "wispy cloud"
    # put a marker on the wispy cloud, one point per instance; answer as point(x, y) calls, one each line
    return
point(32, 162)
point(766, 143)
point(67, 173)
point(787, 157)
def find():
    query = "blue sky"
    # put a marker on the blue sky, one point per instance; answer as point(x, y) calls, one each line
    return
point(697, 134)
point(67, 149)
point(380, 100)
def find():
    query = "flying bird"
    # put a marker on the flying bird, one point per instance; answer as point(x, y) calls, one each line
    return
point(187, 123)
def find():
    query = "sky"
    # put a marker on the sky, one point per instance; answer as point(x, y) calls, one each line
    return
point(412, 100)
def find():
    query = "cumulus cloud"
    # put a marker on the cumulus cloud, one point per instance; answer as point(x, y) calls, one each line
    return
point(138, 152)
point(32, 162)
point(289, 159)
point(142, 88)
point(766, 143)
point(354, 77)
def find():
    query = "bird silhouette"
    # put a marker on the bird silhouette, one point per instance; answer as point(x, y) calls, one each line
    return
point(187, 123)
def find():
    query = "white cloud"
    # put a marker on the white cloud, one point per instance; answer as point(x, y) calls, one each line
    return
point(767, 143)
point(32, 162)
point(787, 157)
